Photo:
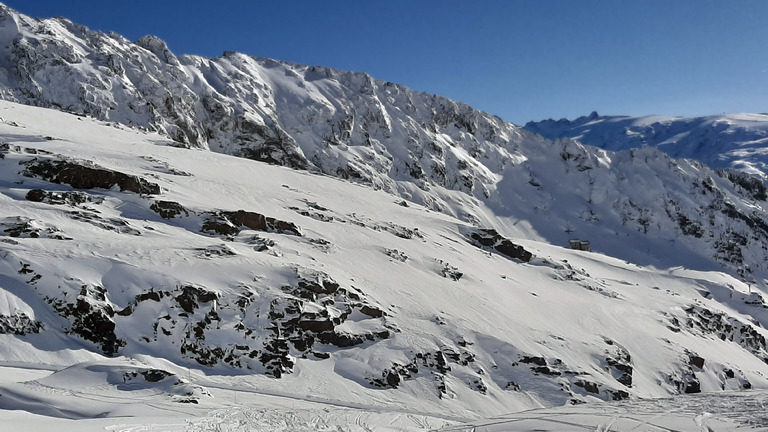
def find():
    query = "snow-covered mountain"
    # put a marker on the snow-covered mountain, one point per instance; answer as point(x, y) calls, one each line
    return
point(732, 141)
point(410, 255)
point(215, 271)
point(387, 137)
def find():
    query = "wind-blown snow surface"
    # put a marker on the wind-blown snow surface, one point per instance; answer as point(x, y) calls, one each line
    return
point(734, 141)
point(388, 314)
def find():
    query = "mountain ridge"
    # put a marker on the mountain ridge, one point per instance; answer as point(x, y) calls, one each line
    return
point(730, 141)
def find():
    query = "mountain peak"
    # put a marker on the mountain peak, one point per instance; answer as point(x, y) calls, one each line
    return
point(158, 47)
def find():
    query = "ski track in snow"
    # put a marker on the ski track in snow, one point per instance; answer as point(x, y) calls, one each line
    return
point(706, 412)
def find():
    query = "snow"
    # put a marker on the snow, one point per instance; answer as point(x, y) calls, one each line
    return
point(734, 141)
point(426, 149)
point(366, 284)
point(572, 309)
point(730, 411)
point(241, 410)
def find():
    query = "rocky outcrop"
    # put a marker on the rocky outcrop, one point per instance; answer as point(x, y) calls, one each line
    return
point(725, 327)
point(19, 324)
point(305, 319)
point(295, 328)
point(24, 227)
point(230, 223)
point(436, 364)
point(82, 176)
point(168, 209)
point(491, 239)
point(90, 317)
point(70, 198)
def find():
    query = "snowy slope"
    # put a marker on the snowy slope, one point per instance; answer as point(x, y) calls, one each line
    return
point(407, 261)
point(733, 141)
point(347, 296)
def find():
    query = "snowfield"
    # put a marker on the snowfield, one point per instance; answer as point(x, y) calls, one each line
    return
point(440, 329)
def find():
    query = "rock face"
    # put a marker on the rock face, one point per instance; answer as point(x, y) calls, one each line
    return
point(90, 317)
point(71, 198)
point(168, 209)
point(229, 223)
point(86, 177)
point(489, 238)
point(19, 324)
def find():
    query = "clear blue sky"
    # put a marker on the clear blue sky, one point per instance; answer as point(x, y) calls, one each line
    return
point(518, 59)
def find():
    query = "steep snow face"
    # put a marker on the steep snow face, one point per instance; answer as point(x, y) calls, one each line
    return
point(641, 205)
point(734, 141)
point(298, 284)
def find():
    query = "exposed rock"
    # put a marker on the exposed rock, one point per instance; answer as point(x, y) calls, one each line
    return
point(317, 215)
point(689, 227)
point(81, 176)
point(216, 251)
point(449, 271)
point(688, 383)
point(618, 395)
point(490, 238)
point(371, 312)
point(19, 324)
point(261, 244)
point(90, 317)
point(30, 228)
point(145, 296)
point(296, 329)
point(168, 209)
point(71, 198)
point(696, 361)
point(276, 152)
point(229, 223)
point(191, 296)
point(754, 185)
point(396, 254)
point(619, 363)
point(588, 386)
point(437, 364)
point(155, 375)
point(118, 225)
point(159, 48)
point(725, 327)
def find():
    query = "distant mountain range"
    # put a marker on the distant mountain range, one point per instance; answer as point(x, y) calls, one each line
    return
point(734, 141)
